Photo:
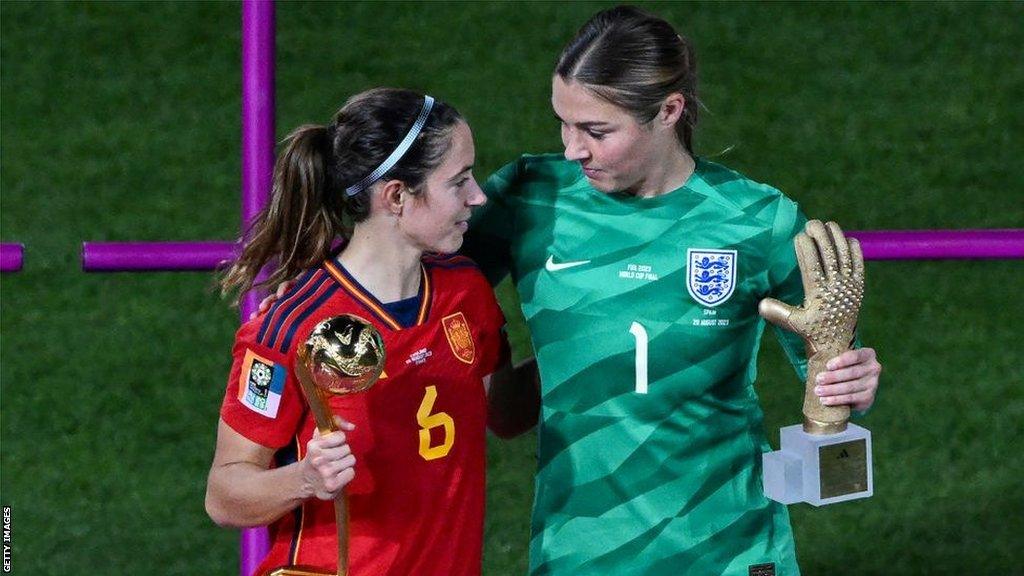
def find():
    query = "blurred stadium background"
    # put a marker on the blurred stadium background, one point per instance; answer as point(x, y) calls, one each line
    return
point(120, 121)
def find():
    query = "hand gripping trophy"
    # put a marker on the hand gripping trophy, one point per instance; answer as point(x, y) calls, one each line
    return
point(343, 355)
point(827, 460)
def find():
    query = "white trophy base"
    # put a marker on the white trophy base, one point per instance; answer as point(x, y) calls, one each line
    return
point(819, 468)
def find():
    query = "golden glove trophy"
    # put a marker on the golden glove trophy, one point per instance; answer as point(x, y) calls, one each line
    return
point(827, 460)
point(343, 355)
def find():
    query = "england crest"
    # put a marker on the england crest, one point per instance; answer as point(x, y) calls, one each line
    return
point(710, 275)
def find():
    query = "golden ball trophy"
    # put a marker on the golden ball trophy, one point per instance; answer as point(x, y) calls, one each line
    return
point(343, 355)
point(827, 459)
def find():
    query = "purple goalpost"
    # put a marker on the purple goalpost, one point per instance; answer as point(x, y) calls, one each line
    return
point(257, 170)
point(11, 257)
point(999, 244)
point(941, 244)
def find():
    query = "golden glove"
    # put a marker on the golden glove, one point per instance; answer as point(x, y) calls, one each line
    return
point(832, 269)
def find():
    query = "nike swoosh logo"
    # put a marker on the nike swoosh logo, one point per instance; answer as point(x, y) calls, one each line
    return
point(550, 265)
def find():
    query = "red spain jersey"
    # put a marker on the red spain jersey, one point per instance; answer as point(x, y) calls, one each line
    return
point(416, 504)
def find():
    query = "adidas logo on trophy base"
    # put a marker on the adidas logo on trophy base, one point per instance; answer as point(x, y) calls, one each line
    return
point(819, 468)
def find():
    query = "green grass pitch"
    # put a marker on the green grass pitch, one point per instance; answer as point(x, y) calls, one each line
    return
point(120, 121)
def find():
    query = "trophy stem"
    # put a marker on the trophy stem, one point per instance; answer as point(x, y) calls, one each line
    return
point(823, 428)
point(315, 397)
point(324, 418)
point(341, 520)
point(818, 418)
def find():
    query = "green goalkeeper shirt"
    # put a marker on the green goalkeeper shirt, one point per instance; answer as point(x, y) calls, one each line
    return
point(643, 317)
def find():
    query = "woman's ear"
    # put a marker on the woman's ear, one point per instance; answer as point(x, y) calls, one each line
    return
point(390, 195)
point(672, 108)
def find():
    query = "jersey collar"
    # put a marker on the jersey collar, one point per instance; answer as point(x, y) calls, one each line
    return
point(370, 302)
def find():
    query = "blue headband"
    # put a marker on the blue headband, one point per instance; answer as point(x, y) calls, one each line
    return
point(395, 156)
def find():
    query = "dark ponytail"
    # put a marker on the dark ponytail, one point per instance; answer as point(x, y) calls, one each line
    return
point(309, 208)
point(301, 220)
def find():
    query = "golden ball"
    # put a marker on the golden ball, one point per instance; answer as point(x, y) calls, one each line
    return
point(344, 354)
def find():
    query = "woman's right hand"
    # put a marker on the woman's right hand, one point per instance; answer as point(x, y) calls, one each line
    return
point(267, 302)
point(329, 464)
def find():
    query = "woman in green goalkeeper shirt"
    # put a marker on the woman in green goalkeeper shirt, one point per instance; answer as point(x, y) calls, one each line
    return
point(650, 432)
point(640, 266)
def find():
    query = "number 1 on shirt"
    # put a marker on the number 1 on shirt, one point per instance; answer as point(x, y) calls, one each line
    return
point(640, 334)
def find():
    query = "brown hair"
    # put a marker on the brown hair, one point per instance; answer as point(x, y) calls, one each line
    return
point(308, 208)
point(634, 60)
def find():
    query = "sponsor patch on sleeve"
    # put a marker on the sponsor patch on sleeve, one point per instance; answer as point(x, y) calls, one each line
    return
point(260, 384)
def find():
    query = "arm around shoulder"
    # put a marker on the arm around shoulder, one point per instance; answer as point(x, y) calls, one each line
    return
point(513, 398)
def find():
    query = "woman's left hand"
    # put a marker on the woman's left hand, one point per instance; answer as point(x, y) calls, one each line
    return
point(852, 378)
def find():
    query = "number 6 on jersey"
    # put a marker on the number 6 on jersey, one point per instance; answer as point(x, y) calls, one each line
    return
point(427, 421)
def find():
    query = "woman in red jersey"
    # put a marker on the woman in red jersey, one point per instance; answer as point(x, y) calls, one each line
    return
point(397, 166)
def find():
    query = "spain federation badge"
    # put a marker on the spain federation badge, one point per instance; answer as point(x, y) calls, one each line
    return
point(460, 338)
point(260, 385)
point(710, 275)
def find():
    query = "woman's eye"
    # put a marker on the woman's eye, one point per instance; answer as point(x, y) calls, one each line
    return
point(596, 135)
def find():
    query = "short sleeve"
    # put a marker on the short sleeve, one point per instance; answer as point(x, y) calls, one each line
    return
point(494, 346)
point(262, 400)
point(785, 282)
point(491, 229)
